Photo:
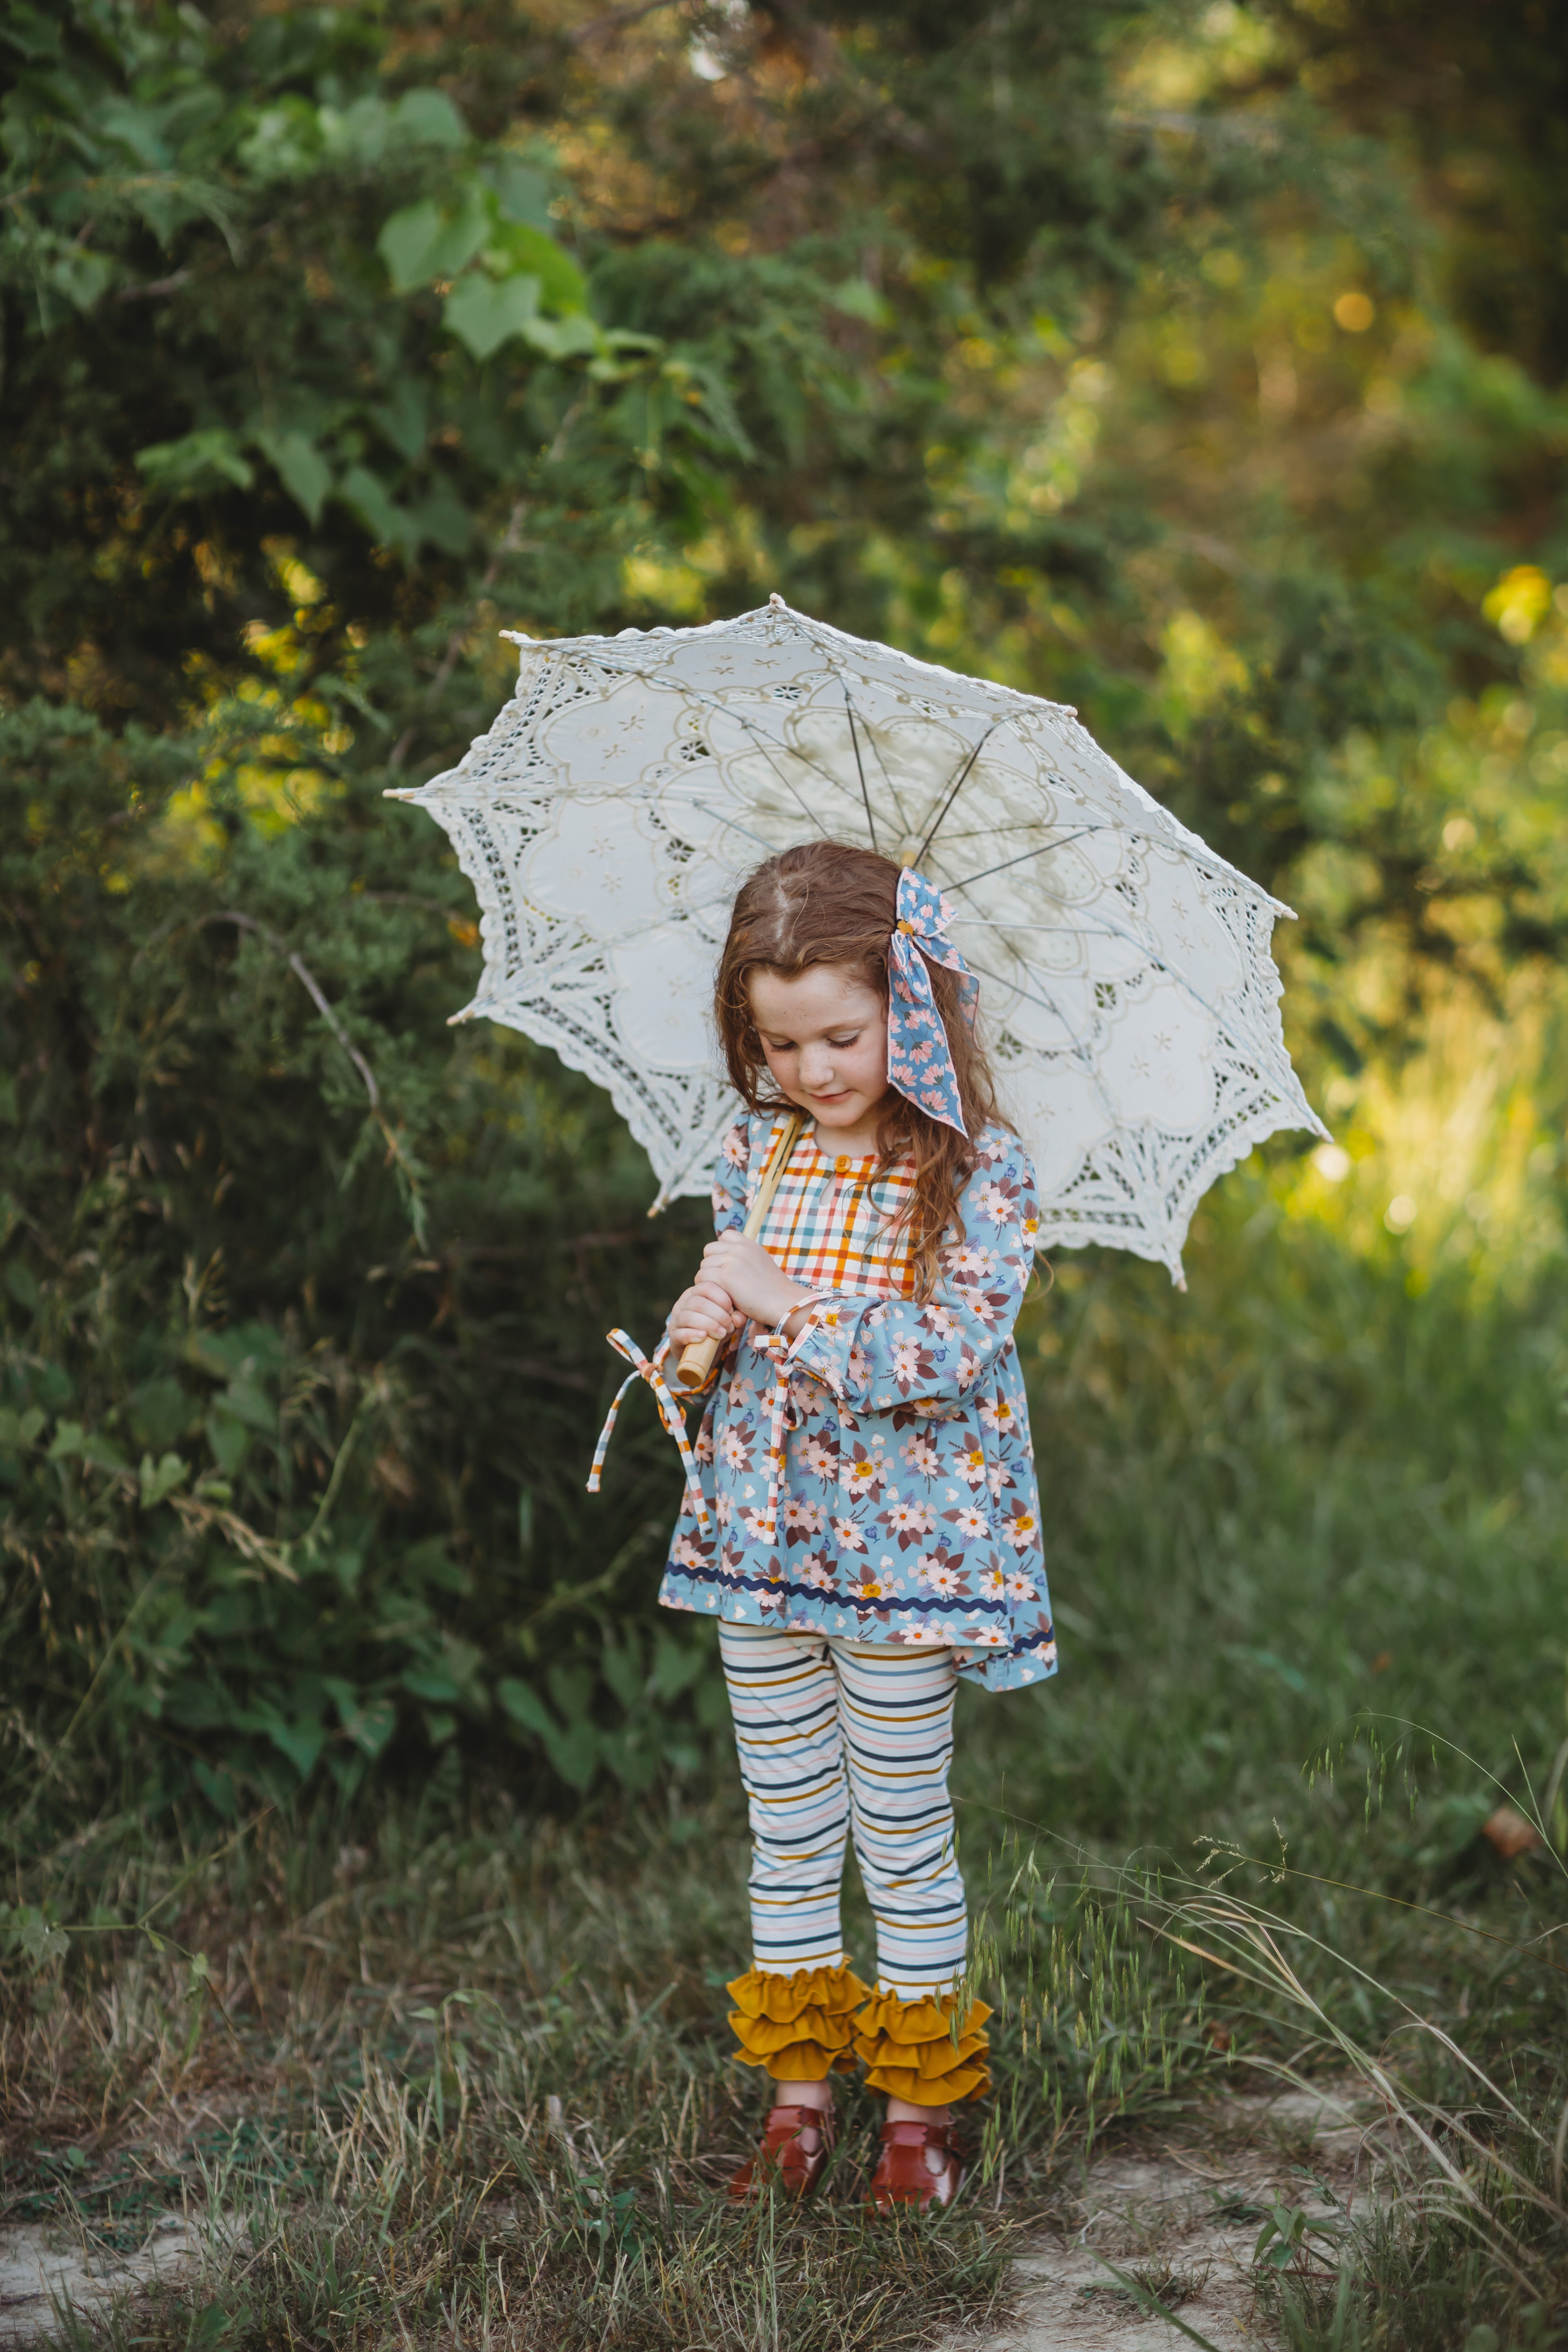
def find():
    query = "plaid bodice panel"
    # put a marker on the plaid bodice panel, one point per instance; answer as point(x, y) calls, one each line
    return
point(835, 1223)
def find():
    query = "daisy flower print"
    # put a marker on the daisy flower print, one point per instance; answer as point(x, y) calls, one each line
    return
point(873, 1474)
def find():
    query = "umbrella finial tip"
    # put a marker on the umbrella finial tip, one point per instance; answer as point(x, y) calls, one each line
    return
point(777, 603)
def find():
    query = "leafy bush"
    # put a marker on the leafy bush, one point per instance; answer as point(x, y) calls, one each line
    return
point(300, 1383)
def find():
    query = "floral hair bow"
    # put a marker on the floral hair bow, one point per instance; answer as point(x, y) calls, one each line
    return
point(920, 1061)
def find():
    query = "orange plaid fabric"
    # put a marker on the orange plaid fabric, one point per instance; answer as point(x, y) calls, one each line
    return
point(831, 1226)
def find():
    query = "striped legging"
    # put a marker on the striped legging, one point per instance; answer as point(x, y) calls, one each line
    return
point(834, 1735)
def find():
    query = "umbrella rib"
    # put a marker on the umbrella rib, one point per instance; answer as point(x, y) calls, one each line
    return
point(989, 832)
point(1116, 931)
point(716, 702)
point(735, 825)
point(919, 858)
point(807, 629)
point(1080, 1044)
point(859, 764)
point(1137, 833)
point(1046, 930)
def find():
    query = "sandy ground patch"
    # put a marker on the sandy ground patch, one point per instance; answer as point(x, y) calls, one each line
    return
point(44, 2266)
point(1183, 2222)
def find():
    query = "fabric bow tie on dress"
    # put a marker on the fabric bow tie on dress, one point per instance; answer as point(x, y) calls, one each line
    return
point(920, 1060)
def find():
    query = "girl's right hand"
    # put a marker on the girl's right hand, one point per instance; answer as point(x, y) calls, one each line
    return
point(703, 1312)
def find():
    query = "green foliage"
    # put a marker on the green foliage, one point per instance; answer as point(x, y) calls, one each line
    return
point(293, 1433)
point(336, 340)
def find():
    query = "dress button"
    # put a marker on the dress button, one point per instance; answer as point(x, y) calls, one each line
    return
point(841, 1167)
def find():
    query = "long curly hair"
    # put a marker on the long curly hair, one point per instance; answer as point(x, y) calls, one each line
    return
point(829, 902)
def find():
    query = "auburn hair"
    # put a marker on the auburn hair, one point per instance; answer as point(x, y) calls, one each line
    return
point(829, 902)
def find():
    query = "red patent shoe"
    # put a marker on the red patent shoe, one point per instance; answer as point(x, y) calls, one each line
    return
point(796, 2145)
point(920, 2166)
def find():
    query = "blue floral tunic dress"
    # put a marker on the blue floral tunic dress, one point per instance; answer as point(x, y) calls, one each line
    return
point(875, 1477)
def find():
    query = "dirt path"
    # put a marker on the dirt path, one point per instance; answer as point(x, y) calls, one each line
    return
point(1183, 2222)
point(1180, 2221)
point(42, 2265)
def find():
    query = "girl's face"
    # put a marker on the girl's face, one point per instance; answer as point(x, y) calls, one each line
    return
point(825, 1035)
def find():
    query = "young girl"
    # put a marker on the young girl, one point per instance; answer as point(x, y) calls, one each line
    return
point(862, 1519)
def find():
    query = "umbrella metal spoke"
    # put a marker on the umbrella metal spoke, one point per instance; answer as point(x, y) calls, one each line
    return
point(1214, 866)
point(919, 856)
point(1046, 930)
point(860, 767)
point(836, 669)
point(715, 703)
point(1043, 1004)
point(1020, 824)
point(736, 826)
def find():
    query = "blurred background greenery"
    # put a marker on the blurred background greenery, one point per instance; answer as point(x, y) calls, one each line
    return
point(1203, 365)
point(1200, 365)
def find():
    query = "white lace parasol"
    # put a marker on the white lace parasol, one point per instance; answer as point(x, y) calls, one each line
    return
point(1128, 994)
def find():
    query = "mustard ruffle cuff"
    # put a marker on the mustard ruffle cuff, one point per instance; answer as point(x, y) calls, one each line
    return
point(914, 2050)
point(801, 2027)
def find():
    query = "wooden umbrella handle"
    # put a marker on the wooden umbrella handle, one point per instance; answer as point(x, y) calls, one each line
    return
point(697, 1360)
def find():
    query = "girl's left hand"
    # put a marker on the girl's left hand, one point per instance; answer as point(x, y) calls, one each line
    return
point(757, 1283)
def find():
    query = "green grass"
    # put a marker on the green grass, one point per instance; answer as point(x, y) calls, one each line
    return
point(459, 2070)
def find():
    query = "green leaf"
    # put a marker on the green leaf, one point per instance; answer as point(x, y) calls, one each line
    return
point(675, 1665)
point(20, 1431)
point(429, 118)
point(424, 242)
point(41, 1942)
point(367, 496)
point(250, 1405)
point(518, 246)
point(430, 1682)
point(574, 1755)
point(23, 1284)
point(191, 463)
point(287, 141)
point(404, 418)
point(160, 1411)
point(441, 518)
point(359, 134)
point(372, 1726)
point(521, 191)
point(484, 311)
point(565, 339)
point(217, 1787)
point(301, 1740)
point(227, 1437)
point(160, 1479)
point(525, 1706)
point(857, 300)
point(71, 1440)
point(140, 130)
point(301, 467)
point(623, 1671)
point(404, 241)
point(83, 278)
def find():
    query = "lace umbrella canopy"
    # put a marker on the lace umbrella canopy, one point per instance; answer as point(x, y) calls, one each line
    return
point(1128, 994)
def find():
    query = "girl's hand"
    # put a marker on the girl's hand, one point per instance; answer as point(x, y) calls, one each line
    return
point(706, 1311)
point(748, 1277)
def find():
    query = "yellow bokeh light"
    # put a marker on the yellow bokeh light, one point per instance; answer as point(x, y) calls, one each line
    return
point(1354, 313)
point(1519, 603)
